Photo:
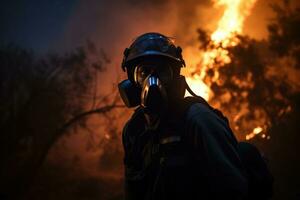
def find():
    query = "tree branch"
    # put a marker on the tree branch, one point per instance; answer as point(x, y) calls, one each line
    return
point(76, 118)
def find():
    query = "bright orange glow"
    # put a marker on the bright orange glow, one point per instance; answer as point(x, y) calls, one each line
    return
point(232, 20)
point(196, 84)
point(225, 35)
point(255, 132)
point(107, 136)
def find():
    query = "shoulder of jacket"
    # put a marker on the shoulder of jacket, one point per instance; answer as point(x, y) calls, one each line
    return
point(212, 120)
point(198, 108)
point(199, 112)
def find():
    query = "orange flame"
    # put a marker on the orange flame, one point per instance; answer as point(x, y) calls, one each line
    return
point(255, 131)
point(225, 35)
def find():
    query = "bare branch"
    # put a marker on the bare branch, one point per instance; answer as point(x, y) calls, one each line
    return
point(77, 118)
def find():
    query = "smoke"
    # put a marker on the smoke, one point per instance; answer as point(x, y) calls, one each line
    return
point(112, 25)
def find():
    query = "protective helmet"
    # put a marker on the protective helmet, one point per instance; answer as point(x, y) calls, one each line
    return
point(151, 45)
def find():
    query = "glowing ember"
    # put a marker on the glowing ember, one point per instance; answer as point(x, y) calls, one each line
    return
point(255, 131)
point(107, 136)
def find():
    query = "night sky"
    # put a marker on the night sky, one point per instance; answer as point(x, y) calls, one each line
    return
point(32, 23)
point(61, 25)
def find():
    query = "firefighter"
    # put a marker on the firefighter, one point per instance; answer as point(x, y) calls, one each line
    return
point(175, 147)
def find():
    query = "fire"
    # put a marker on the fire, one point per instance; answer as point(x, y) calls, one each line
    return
point(255, 131)
point(196, 84)
point(232, 20)
point(225, 35)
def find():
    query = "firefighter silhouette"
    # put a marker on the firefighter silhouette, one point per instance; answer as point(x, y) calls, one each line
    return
point(176, 147)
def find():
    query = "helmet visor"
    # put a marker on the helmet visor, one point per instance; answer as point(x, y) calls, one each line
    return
point(162, 70)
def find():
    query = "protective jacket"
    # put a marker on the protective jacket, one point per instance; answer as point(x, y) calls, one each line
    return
point(192, 154)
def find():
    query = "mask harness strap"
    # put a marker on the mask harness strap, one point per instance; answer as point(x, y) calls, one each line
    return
point(190, 90)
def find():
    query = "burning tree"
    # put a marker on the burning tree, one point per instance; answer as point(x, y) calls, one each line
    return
point(235, 71)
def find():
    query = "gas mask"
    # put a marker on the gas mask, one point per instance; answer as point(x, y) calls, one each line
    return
point(153, 86)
